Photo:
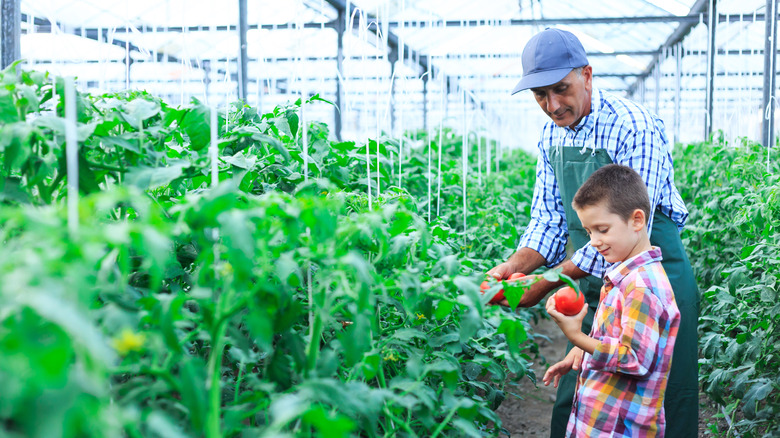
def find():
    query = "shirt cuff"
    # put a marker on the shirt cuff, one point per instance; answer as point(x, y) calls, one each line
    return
point(589, 260)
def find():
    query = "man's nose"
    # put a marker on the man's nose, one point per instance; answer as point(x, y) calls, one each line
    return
point(552, 103)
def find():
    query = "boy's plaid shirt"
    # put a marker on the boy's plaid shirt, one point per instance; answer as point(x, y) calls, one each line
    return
point(620, 388)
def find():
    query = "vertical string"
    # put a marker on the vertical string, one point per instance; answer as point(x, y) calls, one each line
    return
point(213, 150)
point(465, 152)
point(71, 156)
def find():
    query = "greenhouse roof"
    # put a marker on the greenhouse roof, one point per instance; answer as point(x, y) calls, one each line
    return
point(292, 46)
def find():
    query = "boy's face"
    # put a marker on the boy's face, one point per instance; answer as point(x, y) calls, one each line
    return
point(614, 238)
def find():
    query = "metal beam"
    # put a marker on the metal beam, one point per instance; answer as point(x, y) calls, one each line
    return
point(681, 32)
point(693, 17)
point(10, 32)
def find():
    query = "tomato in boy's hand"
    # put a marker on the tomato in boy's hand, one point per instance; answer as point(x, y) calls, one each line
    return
point(500, 295)
point(568, 302)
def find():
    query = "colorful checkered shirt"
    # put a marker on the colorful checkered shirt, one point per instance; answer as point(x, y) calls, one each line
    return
point(620, 388)
point(632, 136)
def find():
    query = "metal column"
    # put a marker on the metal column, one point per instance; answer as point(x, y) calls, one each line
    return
point(770, 70)
point(341, 26)
point(678, 91)
point(10, 31)
point(712, 22)
point(242, 58)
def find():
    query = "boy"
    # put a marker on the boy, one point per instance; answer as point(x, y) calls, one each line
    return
point(626, 358)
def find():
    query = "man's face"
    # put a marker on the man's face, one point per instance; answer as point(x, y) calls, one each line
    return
point(566, 102)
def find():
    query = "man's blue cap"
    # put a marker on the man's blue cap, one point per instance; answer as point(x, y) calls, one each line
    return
point(548, 57)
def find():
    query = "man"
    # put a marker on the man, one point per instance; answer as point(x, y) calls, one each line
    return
point(589, 129)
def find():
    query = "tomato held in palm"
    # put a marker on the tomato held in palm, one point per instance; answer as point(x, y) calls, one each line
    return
point(568, 301)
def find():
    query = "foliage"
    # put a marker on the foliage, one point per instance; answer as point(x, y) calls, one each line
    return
point(732, 237)
point(275, 303)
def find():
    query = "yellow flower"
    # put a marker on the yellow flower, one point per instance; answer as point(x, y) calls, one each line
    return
point(226, 269)
point(128, 341)
point(420, 316)
point(495, 224)
point(392, 357)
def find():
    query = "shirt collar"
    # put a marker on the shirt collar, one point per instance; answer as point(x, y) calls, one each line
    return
point(619, 272)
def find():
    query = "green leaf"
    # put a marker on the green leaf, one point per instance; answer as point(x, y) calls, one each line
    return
point(757, 392)
point(329, 424)
point(146, 178)
point(8, 111)
point(197, 125)
point(138, 110)
point(515, 333)
point(192, 384)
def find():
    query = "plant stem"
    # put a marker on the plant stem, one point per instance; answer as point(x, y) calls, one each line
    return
point(214, 414)
point(446, 420)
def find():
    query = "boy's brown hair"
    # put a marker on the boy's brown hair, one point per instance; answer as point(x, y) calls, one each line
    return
point(620, 186)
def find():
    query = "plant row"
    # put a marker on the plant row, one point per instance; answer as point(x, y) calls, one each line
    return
point(274, 303)
point(733, 240)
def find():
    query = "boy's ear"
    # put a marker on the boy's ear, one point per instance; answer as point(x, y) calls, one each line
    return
point(638, 219)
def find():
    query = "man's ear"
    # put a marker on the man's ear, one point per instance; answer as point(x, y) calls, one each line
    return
point(638, 219)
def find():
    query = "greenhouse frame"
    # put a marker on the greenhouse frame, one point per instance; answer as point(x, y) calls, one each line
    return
point(698, 64)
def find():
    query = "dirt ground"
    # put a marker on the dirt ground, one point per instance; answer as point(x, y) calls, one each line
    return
point(530, 415)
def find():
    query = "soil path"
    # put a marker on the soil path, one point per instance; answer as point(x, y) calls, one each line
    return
point(530, 415)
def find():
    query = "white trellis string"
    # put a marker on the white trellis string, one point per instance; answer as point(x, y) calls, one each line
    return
point(213, 148)
point(71, 155)
point(465, 153)
point(444, 104)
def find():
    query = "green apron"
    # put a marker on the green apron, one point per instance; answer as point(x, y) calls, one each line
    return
point(572, 166)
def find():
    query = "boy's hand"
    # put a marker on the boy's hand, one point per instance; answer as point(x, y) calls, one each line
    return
point(570, 362)
point(571, 326)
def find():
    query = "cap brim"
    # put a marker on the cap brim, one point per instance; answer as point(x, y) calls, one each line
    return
point(541, 79)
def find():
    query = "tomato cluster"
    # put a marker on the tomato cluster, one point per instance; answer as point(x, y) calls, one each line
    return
point(500, 295)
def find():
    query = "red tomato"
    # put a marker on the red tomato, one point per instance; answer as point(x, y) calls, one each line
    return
point(500, 295)
point(515, 276)
point(568, 302)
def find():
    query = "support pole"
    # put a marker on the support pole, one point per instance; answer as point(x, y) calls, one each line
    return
point(10, 32)
point(712, 25)
point(678, 92)
point(770, 70)
point(341, 25)
point(242, 58)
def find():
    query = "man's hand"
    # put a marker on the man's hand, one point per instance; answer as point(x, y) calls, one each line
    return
point(572, 361)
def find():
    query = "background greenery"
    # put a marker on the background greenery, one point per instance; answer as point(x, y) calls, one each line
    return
point(733, 240)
